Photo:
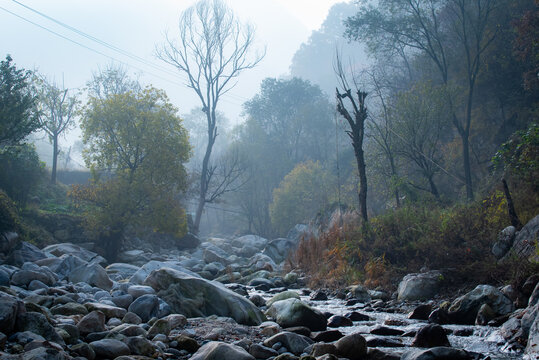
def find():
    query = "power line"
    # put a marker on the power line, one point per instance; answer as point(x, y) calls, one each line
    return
point(114, 48)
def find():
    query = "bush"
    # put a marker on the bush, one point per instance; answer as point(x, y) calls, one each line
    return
point(20, 171)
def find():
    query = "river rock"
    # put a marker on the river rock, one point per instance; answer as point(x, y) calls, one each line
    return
point(465, 308)
point(532, 348)
point(421, 312)
point(339, 321)
point(64, 265)
point(121, 270)
point(69, 309)
point(262, 352)
point(108, 310)
point(353, 346)
point(188, 241)
point(76, 250)
point(295, 343)
point(92, 274)
point(93, 322)
point(360, 293)
point(24, 277)
point(139, 345)
point(45, 353)
point(194, 296)
point(420, 286)
point(525, 244)
point(278, 249)
point(294, 312)
point(215, 350)
point(145, 270)
point(109, 348)
point(146, 307)
point(84, 350)
point(437, 353)
point(24, 252)
point(10, 307)
point(431, 335)
point(504, 242)
point(38, 324)
point(254, 241)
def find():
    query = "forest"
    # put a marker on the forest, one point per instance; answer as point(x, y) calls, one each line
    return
point(403, 139)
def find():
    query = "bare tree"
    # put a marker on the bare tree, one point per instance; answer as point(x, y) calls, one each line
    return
point(57, 110)
point(214, 48)
point(355, 117)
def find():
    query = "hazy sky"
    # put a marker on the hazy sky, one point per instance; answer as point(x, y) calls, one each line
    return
point(136, 26)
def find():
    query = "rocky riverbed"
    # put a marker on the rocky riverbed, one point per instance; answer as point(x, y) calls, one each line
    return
point(230, 299)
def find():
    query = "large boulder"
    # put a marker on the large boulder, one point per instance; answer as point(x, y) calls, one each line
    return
point(360, 293)
point(146, 269)
point(64, 265)
point(295, 343)
point(24, 252)
point(188, 241)
point(420, 286)
point(278, 249)
point(38, 324)
point(10, 307)
point(506, 237)
point(145, 306)
point(254, 241)
point(25, 277)
point(465, 308)
point(525, 244)
point(532, 349)
point(92, 274)
point(215, 350)
point(76, 250)
point(194, 296)
point(353, 346)
point(293, 312)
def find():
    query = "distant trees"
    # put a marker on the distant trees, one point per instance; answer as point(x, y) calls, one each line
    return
point(18, 117)
point(138, 138)
point(57, 109)
point(214, 48)
point(453, 34)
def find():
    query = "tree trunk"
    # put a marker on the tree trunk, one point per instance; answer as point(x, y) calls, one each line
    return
point(54, 159)
point(433, 188)
point(515, 221)
point(466, 163)
point(362, 195)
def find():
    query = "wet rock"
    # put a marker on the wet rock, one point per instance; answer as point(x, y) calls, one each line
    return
point(295, 343)
point(420, 286)
point(385, 331)
point(353, 347)
point(421, 312)
point(439, 316)
point(290, 278)
point(301, 330)
point(437, 353)
point(360, 293)
point(217, 350)
point(432, 335)
point(283, 296)
point(262, 352)
point(356, 316)
point(192, 296)
point(382, 341)
point(257, 300)
point(338, 321)
point(327, 336)
point(93, 322)
point(38, 324)
point(318, 295)
point(109, 348)
point(109, 310)
point(464, 309)
point(294, 312)
point(323, 349)
point(146, 307)
point(484, 315)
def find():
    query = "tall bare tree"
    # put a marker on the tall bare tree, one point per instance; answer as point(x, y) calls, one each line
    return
point(57, 110)
point(214, 47)
point(355, 113)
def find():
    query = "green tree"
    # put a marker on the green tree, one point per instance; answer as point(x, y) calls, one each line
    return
point(138, 143)
point(18, 117)
point(57, 110)
point(302, 193)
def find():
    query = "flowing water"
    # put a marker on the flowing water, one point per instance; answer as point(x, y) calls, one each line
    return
point(484, 340)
